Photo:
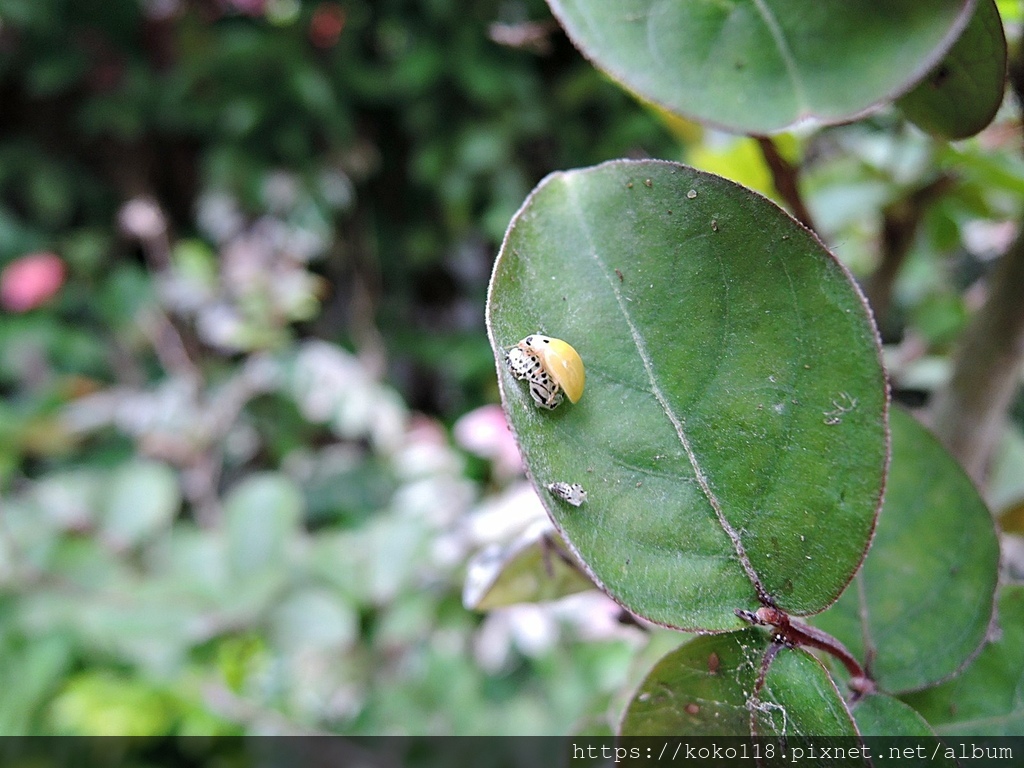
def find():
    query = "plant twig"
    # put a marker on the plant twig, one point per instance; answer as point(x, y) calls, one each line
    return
point(900, 222)
point(785, 175)
point(968, 413)
point(787, 633)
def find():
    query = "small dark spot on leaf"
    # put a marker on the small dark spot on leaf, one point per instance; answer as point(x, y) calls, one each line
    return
point(740, 64)
point(713, 663)
point(670, 213)
point(692, 709)
point(621, 278)
point(941, 76)
point(788, 586)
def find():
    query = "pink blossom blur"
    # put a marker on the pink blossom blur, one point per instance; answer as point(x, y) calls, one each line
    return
point(30, 281)
point(485, 432)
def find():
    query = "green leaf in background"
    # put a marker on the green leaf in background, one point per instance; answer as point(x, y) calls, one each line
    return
point(732, 369)
point(142, 499)
point(530, 569)
point(986, 699)
point(30, 673)
point(963, 93)
point(758, 66)
point(935, 556)
point(316, 619)
point(883, 716)
point(100, 702)
point(263, 514)
point(706, 688)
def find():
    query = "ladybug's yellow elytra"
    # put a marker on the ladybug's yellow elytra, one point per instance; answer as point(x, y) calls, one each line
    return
point(558, 360)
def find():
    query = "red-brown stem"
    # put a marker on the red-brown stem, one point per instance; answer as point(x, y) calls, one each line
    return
point(806, 636)
point(900, 223)
point(784, 176)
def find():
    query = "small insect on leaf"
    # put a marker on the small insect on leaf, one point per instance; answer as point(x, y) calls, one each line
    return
point(571, 493)
point(561, 362)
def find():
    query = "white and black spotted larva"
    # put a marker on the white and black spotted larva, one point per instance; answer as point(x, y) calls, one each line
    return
point(527, 364)
point(571, 493)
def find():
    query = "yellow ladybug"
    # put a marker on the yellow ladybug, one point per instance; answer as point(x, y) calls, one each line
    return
point(551, 366)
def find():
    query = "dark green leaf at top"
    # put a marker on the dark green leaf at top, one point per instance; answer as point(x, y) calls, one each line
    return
point(758, 66)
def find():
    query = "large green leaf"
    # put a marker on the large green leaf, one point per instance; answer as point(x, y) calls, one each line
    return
point(986, 699)
point(759, 66)
point(708, 688)
point(923, 600)
point(963, 93)
point(732, 435)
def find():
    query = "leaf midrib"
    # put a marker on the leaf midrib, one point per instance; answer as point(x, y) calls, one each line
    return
point(641, 348)
point(775, 30)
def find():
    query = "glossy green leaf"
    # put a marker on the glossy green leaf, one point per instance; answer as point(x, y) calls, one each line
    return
point(924, 598)
point(531, 569)
point(910, 740)
point(963, 93)
point(731, 368)
point(801, 700)
point(707, 688)
point(879, 714)
point(141, 499)
point(758, 66)
point(263, 514)
point(986, 699)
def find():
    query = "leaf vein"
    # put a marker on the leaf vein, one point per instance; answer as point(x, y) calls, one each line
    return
point(784, 50)
point(674, 419)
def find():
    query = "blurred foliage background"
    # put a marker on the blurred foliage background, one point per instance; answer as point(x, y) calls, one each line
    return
point(248, 438)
